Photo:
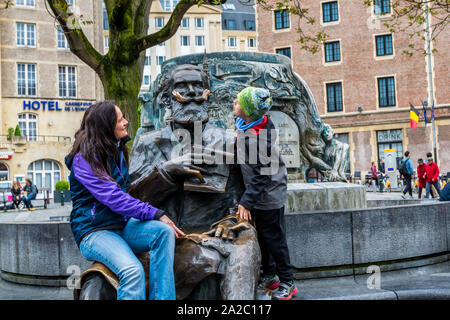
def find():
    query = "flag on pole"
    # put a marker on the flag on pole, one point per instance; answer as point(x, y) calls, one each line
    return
point(413, 117)
point(424, 114)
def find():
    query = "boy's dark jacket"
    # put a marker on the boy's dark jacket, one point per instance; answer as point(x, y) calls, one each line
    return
point(263, 191)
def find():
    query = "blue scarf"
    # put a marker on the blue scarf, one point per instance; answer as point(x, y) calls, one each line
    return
point(240, 123)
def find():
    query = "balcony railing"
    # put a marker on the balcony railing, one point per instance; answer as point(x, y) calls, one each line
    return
point(37, 138)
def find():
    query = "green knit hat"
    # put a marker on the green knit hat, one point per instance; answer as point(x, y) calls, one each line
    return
point(254, 102)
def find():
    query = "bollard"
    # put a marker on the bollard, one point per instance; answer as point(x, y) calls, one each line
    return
point(62, 198)
point(4, 202)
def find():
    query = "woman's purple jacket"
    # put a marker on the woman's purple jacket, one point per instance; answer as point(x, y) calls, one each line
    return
point(103, 203)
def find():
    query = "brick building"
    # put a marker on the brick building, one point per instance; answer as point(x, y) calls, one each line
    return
point(362, 83)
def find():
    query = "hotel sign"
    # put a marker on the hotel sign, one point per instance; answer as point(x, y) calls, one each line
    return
point(5, 155)
point(51, 105)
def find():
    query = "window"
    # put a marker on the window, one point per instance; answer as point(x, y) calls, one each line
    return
point(184, 41)
point(185, 23)
point(231, 42)
point(382, 6)
point(146, 80)
point(168, 5)
point(70, 3)
point(228, 6)
point(105, 18)
point(251, 42)
point(26, 79)
point(160, 60)
point(162, 44)
point(4, 173)
point(106, 42)
point(334, 97)
point(332, 51)
point(61, 39)
point(284, 51)
point(249, 24)
point(200, 41)
point(159, 22)
point(44, 174)
point(386, 92)
point(199, 22)
point(25, 34)
point(230, 24)
point(330, 11)
point(28, 125)
point(384, 45)
point(67, 82)
point(281, 19)
point(148, 60)
point(390, 139)
point(25, 3)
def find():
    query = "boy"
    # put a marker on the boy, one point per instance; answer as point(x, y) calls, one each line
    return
point(265, 194)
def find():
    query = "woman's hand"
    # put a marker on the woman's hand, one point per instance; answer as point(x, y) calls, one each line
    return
point(178, 233)
point(243, 213)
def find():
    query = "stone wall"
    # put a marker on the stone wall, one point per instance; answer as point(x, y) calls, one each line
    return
point(324, 244)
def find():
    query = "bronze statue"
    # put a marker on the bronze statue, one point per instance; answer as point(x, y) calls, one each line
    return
point(181, 169)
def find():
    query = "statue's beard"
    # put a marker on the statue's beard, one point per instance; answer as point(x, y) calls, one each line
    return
point(188, 113)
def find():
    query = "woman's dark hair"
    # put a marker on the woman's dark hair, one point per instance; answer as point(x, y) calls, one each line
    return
point(95, 140)
point(29, 181)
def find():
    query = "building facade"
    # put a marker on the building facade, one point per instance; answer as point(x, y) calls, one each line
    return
point(239, 26)
point(44, 90)
point(362, 83)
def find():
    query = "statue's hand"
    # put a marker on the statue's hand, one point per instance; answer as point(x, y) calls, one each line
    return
point(228, 228)
point(182, 167)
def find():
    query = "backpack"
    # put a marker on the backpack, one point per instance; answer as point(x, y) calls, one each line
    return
point(402, 168)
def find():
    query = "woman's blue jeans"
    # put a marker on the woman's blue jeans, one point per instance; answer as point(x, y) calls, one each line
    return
point(116, 248)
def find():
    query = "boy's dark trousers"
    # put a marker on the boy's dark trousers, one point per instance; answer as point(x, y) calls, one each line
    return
point(271, 230)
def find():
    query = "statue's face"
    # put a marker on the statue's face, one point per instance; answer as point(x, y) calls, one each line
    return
point(328, 133)
point(188, 99)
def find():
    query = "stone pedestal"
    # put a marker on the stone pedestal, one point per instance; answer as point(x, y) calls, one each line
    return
point(326, 196)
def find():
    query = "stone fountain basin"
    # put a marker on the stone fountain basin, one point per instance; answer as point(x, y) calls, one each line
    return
point(39, 249)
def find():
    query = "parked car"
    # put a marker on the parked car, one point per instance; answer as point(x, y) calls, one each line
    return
point(6, 196)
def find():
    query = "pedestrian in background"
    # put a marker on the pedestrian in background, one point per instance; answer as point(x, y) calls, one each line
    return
point(29, 193)
point(16, 192)
point(407, 170)
point(421, 176)
point(432, 176)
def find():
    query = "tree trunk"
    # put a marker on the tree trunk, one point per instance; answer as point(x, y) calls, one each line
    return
point(121, 83)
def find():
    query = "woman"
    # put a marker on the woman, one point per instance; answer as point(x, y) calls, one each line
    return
point(373, 174)
point(29, 193)
point(16, 191)
point(108, 224)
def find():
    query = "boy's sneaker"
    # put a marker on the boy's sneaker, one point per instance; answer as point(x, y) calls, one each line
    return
point(267, 282)
point(285, 291)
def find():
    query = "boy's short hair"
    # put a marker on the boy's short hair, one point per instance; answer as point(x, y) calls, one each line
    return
point(420, 160)
point(406, 153)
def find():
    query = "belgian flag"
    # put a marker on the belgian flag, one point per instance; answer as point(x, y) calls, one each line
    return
point(413, 117)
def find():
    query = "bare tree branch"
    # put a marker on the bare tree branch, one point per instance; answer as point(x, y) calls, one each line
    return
point(79, 43)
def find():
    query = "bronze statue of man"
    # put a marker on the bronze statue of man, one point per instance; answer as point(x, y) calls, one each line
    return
point(182, 168)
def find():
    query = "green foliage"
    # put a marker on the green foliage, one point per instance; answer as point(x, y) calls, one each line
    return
point(10, 131)
point(17, 132)
point(62, 185)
